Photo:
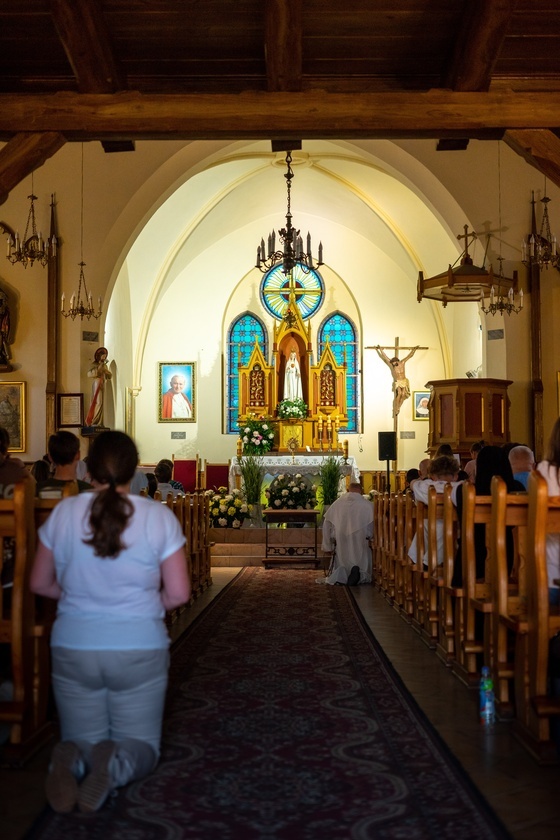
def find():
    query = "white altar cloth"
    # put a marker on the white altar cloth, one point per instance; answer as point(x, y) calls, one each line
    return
point(305, 464)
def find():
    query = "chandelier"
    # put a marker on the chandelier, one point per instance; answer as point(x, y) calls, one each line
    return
point(292, 251)
point(32, 247)
point(468, 282)
point(501, 303)
point(81, 303)
point(541, 248)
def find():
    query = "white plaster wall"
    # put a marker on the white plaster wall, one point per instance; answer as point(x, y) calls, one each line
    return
point(389, 240)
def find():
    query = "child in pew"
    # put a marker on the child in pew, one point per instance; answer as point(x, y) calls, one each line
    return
point(115, 563)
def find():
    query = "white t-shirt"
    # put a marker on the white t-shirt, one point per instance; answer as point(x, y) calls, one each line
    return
point(110, 604)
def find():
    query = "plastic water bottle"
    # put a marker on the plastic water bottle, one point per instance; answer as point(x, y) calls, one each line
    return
point(487, 704)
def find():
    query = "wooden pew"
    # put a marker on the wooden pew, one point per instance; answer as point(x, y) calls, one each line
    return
point(401, 558)
point(451, 597)
point(408, 568)
point(433, 579)
point(508, 647)
point(26, 636)
point(377, 541)
point(473, 643)
point(543, 623)
point(418, 570)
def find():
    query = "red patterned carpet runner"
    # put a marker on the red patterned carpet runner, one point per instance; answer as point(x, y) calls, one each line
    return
point(285, 721)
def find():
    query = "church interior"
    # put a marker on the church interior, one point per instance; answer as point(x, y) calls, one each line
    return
point(159, 151)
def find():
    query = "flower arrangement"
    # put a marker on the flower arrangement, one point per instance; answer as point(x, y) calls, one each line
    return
point(291, 491)
point(292, 409)
point(227, 509)
point(257, 435)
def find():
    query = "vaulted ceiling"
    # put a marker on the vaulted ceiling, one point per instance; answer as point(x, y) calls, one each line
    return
point(121, 70)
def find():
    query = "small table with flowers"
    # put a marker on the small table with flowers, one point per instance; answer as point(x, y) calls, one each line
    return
point(277, 554)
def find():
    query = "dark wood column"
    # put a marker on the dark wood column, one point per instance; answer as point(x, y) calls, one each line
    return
point(53, 298)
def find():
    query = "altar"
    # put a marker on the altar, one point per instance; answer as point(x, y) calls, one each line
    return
point(279, 464)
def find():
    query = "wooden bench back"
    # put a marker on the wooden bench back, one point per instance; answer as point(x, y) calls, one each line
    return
point(17, 609)
point(477, 510)
point(543, 620)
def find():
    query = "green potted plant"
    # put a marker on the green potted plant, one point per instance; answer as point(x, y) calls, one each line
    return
point(330, 474)
point(252, 474)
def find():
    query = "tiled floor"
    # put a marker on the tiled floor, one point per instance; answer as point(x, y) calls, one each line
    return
point(525, 796)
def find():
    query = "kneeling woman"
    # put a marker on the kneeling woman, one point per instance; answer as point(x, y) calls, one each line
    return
point(115, 563)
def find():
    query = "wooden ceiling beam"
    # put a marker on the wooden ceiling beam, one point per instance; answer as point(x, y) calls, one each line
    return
point(22, 155)
point(130, 115)
point(540, 148)
point(283, 44)
point(85, 37)
point(478, 44)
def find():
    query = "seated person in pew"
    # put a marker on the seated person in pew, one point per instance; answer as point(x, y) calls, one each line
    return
point(424, 468)
point(470, 466)
point(41, 470)
point(139, 482)
point(12, 469)
point(490, 461)
point(162, 473)
point(175, 484)
point(550, 470)
point(347, 527)
point(64, 450)
point(443, 470)
point(115, 563)
point(522, 463)
point(152, 484)
point(411, 475)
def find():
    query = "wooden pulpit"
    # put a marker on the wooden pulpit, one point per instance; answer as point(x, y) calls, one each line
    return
point(464, 411)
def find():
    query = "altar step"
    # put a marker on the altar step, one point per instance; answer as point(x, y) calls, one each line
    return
point(246, 546)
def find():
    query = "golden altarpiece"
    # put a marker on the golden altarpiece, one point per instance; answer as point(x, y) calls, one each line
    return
point(261, 387)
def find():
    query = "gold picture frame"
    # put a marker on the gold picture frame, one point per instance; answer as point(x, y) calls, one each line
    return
point(185, 411)
point(12, 414)
point(420, 400)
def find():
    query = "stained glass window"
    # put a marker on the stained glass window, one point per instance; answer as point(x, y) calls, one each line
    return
point(341, 335)
point(243, 333)
point(309, 290)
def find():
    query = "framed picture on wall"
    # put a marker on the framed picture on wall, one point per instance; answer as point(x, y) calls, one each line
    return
point(12, 413)
point(420, 400)
point(70, 410)
point(177, 392)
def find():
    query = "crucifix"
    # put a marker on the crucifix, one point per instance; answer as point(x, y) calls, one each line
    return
point(401, 385)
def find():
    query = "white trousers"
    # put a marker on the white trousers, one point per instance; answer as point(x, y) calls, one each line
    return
point(112, 694)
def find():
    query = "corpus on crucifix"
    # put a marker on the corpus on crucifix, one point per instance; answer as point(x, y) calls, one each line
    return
point(401, 385)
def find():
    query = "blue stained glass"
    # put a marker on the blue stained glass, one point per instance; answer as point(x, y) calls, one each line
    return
point(241, 342)
point(341, 335)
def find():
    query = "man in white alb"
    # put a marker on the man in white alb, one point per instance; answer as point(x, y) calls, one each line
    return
point(347, 529)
